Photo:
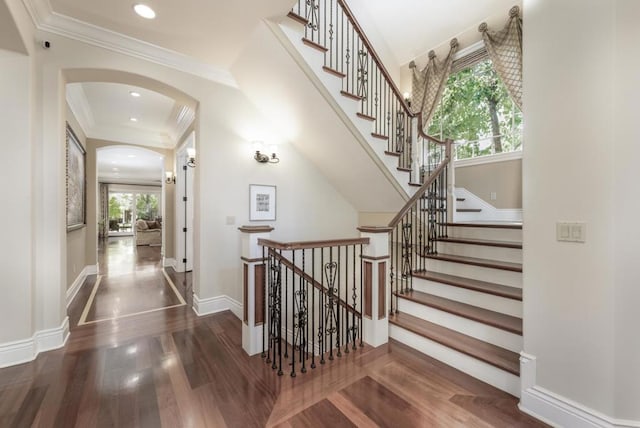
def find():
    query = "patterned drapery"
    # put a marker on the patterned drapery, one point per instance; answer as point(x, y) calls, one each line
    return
point(505, 51)
point(428, 84)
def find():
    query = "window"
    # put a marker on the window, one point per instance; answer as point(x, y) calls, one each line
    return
point(477, 112)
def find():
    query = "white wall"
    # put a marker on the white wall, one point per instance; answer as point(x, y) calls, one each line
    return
point(580, 94)
point(626, 177)
point(16, 252)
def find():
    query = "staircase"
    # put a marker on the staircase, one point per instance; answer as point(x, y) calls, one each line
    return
point(465, 307)
point(455, 288)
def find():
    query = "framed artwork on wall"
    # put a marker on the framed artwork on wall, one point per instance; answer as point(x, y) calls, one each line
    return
point(262, 202)
point(76, 182)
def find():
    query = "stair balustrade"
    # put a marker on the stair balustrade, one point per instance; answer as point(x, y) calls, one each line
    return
point(313, 302)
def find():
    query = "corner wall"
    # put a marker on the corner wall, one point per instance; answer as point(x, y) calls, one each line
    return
point(580, 299)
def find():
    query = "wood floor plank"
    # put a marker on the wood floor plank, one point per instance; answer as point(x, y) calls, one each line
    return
point(174, 369)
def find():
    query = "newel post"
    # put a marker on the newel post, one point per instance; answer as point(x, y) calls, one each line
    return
point(253, 286)
point(375, 278)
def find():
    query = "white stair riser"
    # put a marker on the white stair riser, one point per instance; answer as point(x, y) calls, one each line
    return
point(481, 251)
point(510, 235)
point(494, 376)
point(480, 331)
point(497, 276)
point(470, 297)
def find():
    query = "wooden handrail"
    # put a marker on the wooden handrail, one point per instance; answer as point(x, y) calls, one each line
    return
point(375, 56)
point(301, 245)
point(309, 279)
point(425, 186)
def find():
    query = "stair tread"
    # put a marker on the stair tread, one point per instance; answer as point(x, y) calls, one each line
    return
point(314, 45)
point(380, 136)
point(472, 284)
point(504, 225)
point(401, 168)
point(499, 357)
point(350, 95)
point(485, 242)
point(515, 267)
point(334, 72)
point(365, 117)
point(468, 210)
point(495, 319)
point(298, 18)
point(415, 184)
point(392, 153)
point(461, 199)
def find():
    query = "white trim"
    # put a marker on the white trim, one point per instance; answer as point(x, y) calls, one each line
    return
point(79, 105)
point(22, 351)
point(469, 49)
point(488, 213)
point(169, 262)
point(556, 410)
point(216, 304)
point(46, 19)
point(77, 284)
point(482, 160)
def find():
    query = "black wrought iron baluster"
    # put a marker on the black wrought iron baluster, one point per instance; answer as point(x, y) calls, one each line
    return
point(354, 296)
point(264, 324)
point(346, 299)
point(313, 309)
point(286, 311)
point(278, 333)
point(304, 351)
point(295, 330)
point(406, 253)
point(338, 310)
point(313, 20)
point(361, 305)
point(321, 327)
point(330, 271)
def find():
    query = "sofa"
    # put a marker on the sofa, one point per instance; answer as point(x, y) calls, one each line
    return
point(148, 232)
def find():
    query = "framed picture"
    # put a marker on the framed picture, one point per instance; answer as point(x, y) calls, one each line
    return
point(76, 182)
point(262, 202)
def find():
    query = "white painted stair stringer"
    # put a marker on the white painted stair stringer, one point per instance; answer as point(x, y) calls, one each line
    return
point(481, 331)
point(311, 62)
point(492, 375)
point(470, 297)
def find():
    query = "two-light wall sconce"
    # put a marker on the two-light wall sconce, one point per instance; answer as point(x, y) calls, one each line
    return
point(171, 178)
point(258, 148)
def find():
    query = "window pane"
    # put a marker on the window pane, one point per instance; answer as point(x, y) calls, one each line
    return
point(120, 211)
point(147, 206)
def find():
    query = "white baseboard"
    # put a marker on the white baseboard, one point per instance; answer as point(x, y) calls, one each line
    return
point(556, 410)
point(22, 351)
point(216, 304)
point(169, 262)
point(488, 213)
point(77, 284)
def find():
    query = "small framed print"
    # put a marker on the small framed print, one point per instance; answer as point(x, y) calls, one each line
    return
point(262, 202)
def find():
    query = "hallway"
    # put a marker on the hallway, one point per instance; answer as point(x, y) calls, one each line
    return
point(171, 368)
point(131, 281)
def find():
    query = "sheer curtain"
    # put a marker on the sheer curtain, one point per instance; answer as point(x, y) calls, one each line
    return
point(103, 229)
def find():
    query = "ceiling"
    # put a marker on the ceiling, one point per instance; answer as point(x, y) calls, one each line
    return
point(413, 27)
point(212, 31)
point(121, 164)
point(105, 110)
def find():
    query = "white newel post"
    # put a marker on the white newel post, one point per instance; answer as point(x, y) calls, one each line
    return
point(253, 285)
point(375, 274)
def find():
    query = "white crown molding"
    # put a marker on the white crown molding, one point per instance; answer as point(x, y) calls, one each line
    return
point(179, 121)
point(46, 19)
point(79, 105)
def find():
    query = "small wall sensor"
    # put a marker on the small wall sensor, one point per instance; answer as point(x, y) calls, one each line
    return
point(46, 44)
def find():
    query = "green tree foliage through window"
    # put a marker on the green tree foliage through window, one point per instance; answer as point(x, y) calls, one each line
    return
point(477, 112)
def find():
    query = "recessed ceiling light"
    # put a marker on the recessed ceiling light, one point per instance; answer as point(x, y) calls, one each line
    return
point(131, 156)
point(133, 119)
point(115, 169)
point(134, 94)
point(144, 11)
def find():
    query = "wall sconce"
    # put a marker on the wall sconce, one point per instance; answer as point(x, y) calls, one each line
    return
point(407, 98)
point(191, 157)
point(264, 158)
point(171, 178)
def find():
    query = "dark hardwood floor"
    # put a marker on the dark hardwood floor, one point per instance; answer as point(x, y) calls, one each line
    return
point(171, 368)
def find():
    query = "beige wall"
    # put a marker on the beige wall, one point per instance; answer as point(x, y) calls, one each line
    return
point(77, 254)
point(374, 219)
point(504, 178)
point(168, 196)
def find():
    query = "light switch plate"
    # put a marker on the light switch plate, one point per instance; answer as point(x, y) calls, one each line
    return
point(571, 232)
point(493, 196)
